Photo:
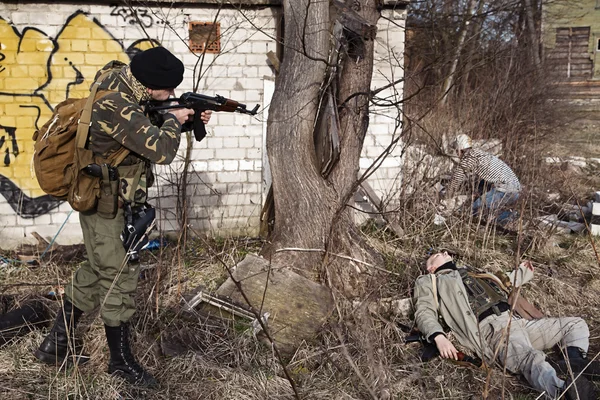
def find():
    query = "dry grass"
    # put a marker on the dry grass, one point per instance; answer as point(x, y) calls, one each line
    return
point(357, 356)
point(196, 357)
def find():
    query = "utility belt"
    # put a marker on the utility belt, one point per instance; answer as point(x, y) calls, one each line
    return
point(495, 309)
point(139, 219)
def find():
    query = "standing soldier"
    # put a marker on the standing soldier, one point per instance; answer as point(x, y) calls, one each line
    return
point(119, 127)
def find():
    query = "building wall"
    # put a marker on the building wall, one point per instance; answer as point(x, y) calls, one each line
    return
point(574, 13)
point(50, 51)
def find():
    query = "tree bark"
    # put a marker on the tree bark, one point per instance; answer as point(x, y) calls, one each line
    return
point(312, 222)
point(450, 78)
point(534, 45)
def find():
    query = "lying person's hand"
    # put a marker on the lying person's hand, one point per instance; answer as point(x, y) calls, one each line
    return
point(445, 347)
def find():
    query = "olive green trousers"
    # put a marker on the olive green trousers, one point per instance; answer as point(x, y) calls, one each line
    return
point(105, 280)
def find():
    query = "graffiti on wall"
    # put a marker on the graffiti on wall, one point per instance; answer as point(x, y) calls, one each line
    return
point(134, 16)
point(36, 73)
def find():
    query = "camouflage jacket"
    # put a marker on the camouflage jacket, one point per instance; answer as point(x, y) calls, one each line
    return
point(119, 121)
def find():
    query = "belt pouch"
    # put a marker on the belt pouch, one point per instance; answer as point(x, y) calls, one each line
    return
point(109, 192)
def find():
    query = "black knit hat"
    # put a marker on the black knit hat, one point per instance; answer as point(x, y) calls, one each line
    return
point(157, 68)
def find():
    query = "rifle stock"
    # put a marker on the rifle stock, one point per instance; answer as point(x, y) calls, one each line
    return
point(199, 103)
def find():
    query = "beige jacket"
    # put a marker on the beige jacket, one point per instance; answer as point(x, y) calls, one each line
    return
point(453, 310)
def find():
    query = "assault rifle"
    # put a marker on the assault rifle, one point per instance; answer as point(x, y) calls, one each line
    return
point(199, 103)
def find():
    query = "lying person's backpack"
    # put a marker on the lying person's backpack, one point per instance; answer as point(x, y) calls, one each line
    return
point(60, 154)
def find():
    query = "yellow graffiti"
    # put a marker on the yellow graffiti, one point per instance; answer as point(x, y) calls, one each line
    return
point(37, 73)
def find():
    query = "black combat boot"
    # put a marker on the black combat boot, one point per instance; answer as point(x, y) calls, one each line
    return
point(582, 389)
point(60, 343)
point(578, 363)
point(122, 362)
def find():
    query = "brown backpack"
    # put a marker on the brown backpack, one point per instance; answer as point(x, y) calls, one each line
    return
point(60, 154)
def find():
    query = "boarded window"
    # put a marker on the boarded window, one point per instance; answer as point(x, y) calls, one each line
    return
point(205, 37)
point(570, 58)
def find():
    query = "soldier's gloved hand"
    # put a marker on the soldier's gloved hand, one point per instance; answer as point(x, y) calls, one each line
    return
point(445, 347)
point(182, 114)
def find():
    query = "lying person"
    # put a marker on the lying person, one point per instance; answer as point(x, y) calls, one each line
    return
point(477, 311)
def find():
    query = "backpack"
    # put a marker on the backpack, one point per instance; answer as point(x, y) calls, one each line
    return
point(519, 303)
point(60, 154)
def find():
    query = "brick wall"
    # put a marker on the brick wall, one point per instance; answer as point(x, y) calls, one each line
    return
point(47, 56)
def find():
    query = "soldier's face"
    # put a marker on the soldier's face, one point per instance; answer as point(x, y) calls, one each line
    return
point(437, 260)
point(161, 94)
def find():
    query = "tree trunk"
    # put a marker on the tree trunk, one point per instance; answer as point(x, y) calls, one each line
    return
point(534, 45)
point(450, 78)
point(312, 221)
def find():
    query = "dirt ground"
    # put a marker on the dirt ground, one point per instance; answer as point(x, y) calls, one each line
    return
point(580, 134)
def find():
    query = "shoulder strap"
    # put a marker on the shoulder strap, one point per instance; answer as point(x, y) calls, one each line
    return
point(83, 125)
point(434, 289)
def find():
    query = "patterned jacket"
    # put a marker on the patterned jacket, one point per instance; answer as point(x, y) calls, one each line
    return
point(480, 165)
point(119, 121)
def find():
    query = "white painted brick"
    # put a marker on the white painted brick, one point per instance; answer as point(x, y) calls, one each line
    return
point(254, 96)
point(230, 165)
point(226, 84)
point(223, 131)
point(208, 177)
point(231, 177)
point(253, 84)
point(246, 165)
point(265, 70)
point(13, 232)
point(74, 219)
point(241, 211)
point(200, 165)
point(203, 154)
point(235, 188)
point(215, 143)
point(254, 154)
point(238, 47)
point(231, 154)
point(215, 165)
point(58, 218)
point(246, 142)
point(254, 177)
point(258, 60)
point(233, 200)
point(252, 188)
point(206, 201)
point(260, 47)
point(225, 119)
point(239, 94)
point(379, 129)
point(230, 142)
point(12, 220)
point(19, 18)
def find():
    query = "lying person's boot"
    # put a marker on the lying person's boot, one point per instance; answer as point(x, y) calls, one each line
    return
point(582, 389)
point(122, 362)
point(60, 343)
point(578, 363)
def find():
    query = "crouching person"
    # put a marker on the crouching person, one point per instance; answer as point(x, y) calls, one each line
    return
point(477, 311)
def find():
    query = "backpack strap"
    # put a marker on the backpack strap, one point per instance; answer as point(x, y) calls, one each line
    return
point(83, 125)
point(435, 292)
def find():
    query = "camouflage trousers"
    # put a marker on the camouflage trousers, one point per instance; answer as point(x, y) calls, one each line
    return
point(104, 279)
